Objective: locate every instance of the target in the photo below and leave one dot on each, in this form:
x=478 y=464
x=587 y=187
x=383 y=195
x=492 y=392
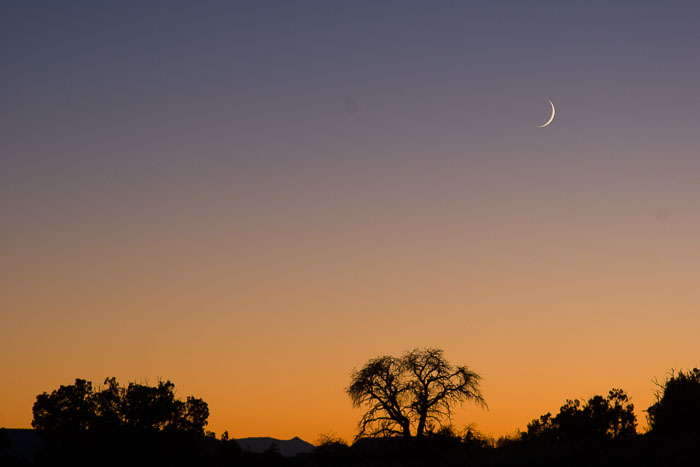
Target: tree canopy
x=78 y=408
x=411 y=395
x=677 y=407
x=600 y=418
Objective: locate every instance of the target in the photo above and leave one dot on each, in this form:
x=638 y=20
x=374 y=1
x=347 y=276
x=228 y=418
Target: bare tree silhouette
x=414 y=393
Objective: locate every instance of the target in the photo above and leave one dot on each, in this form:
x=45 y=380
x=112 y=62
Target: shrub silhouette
x=77 y=408
x=601 y=418
x=115 y=425
x=677 y=407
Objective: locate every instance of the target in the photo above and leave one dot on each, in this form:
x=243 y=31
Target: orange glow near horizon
x=262 y=380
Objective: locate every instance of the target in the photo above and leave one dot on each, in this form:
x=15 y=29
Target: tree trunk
x=420 y=430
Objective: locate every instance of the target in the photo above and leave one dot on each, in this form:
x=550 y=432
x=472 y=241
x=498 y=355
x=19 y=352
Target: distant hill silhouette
x=287 y=448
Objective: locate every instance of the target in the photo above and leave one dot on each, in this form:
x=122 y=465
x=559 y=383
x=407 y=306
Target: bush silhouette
x=114 y=425
x=77 y=408
x=601 y=418
x=677 y=407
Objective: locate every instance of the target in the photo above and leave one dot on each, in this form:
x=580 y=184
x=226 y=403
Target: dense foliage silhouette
x=676 y=411
x=601 y=418
x=137 y=424
x=413 y=394
x=78 y=407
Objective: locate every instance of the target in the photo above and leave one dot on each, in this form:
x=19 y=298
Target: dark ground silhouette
x=143 y=425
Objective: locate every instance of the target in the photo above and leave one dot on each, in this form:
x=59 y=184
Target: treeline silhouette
x=117 y=425
x=148 y=425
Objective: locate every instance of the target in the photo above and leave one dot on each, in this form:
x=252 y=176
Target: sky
x=252 y=199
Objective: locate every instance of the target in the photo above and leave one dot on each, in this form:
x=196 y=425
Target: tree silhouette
x=117 y=425
x=677 y=407
x=69 y=409
x=414 y=393
x=612 y=417
x=601 y=418
x=77 y=408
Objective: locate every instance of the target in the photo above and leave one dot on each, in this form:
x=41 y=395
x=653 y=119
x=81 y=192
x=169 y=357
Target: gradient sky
x=253 y=198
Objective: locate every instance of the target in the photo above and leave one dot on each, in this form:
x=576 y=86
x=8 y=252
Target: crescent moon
x=550 y=118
